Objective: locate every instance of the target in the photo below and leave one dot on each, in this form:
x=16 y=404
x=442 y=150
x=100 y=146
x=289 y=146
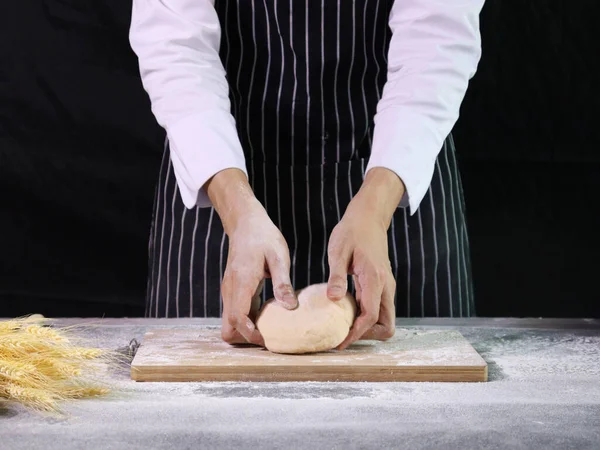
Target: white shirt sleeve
x=434 y=52
x=177 y=44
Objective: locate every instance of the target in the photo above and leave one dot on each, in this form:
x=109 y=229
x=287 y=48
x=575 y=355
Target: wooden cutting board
x=412 y=355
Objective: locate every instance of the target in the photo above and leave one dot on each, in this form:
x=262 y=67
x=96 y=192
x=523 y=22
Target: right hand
x=257 y=250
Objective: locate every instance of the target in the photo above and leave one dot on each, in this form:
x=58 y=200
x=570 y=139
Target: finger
x=239 y=288
x=339 y=262
x=279 y=268
x=386 y=325
x=230 y=334
x=238 y=328
x=247 y=329
x=372 y=291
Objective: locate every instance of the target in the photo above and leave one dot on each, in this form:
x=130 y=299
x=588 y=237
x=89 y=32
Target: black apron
x=305 y=79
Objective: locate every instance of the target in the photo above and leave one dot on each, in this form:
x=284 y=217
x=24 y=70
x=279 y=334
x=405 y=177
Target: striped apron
x=305 y=79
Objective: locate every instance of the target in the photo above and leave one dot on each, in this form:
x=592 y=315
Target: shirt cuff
x=201 y=146
x=408 y=145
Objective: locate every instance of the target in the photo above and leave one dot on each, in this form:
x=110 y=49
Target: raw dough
x=318 y=324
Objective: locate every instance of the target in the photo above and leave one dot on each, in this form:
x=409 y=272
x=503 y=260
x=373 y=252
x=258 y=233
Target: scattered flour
x=544 y=392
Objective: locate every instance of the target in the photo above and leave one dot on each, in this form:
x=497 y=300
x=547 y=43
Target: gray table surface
x=544 y=392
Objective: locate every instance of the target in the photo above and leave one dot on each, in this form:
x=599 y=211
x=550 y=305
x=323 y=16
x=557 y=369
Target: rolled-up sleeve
x=434 y=51
x=177 y=44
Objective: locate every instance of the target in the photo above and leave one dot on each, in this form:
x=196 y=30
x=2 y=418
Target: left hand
x=358 y=246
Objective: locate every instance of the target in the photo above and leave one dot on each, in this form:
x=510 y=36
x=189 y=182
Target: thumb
x=337 y=286
x=279 y=268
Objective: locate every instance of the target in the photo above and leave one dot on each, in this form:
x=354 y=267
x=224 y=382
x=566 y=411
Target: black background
x=79 y=156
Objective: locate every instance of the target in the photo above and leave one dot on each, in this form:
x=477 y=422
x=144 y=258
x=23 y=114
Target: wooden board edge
x=140 y=373
x=259 y=374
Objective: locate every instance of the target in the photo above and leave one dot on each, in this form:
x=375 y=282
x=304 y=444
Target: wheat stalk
x=41 y=367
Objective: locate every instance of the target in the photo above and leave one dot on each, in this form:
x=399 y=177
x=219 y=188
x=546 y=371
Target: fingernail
x=290 y=301
x=250 y=325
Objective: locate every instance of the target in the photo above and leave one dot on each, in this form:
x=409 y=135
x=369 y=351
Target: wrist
x=232 y=197
x=380 y=194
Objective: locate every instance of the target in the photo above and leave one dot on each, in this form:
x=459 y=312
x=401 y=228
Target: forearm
x=379 y=195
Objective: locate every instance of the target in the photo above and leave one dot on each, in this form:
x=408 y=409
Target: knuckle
x=370 y=280
x=336 y=243
x=231 y=319
x=227 y=333
x=277 y=254
x=227 y=336
x=372 y=275
x=282 y=241
x=392 y=283
x=382 y=273
x=336 y=233
x=388 y=332
x=278 y=242
x=237 y=324
x=333 y=249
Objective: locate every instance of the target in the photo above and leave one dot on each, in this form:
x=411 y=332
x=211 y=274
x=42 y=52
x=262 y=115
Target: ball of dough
x=318 y=324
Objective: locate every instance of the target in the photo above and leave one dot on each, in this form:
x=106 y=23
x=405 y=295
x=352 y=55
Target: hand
x=358 y=246
x=257 y=250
